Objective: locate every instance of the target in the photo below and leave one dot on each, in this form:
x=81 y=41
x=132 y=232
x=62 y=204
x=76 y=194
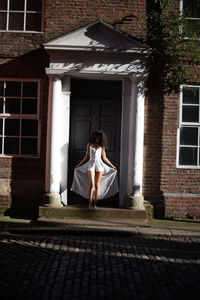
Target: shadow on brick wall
x=27 y=175
x=154 y=116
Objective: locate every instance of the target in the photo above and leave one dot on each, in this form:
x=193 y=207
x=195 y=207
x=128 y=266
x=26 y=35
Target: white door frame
x=132 y=130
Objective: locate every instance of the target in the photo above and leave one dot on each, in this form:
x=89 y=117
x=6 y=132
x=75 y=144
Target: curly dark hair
x=102 y=141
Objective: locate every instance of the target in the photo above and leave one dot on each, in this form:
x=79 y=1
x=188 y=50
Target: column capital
x=138 y=80
x=138 y=88
x=54 y=77
x=66 y=93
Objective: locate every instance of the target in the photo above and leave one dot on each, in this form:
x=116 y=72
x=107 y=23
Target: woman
x=95 y=178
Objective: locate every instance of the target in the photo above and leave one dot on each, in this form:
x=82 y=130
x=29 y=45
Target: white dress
x=108 y=184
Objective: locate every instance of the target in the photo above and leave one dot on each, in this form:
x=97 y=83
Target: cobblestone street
x=96 y=265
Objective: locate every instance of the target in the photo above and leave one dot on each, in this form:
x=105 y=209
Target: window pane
x=189 y=136
x=3 y=5
x=29 y=146
x=12 y=106
x=13 y=88
x=1 y=105
x=17 y=5
x=3 y=17
x=30 y=89
x=35 y=5
x=0 y=145
x=11 y=146
x=29 y=127
x=188 y=156
x=16 y=21
x=33 y=22
x=1 y=126
x=12 y=127
x=1 y=88
x=190 y=114
x=29 y=106
x=192 y=8
x=191 y=95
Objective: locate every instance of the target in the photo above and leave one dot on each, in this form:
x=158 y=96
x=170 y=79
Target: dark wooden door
x=94 y=105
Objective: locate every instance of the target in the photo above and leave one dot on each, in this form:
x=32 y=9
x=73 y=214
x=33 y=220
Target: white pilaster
x=52 y=184
x=125 y=142
x=132 y=145
x=138 y=145
x=65 y=125
x=139 y=138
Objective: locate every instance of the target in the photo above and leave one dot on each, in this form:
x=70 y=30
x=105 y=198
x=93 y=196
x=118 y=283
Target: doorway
x=94 y=105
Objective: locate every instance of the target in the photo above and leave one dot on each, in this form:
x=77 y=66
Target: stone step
x=81 y=212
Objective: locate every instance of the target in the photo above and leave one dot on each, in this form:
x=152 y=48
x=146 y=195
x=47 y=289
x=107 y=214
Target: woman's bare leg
x=98 y=176
x=92 y=184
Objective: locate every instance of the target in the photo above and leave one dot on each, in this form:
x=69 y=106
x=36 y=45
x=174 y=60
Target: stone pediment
x=97 y=36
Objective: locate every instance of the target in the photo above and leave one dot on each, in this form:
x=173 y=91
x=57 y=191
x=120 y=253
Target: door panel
x=81 y=133
x=83 y=110
x=98 y=107
x=110 y=129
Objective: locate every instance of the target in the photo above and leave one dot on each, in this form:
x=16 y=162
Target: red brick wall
x=5 y=201
x=186 y=206
x=176 y=188
x=64 y=16
x=14 y=44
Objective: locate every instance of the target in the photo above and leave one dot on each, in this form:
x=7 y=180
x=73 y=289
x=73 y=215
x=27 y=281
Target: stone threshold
x=82 y=212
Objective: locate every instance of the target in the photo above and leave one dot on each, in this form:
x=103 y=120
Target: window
x=19 y=118
x=191 y=9
x=189 y=131
x=21 y=15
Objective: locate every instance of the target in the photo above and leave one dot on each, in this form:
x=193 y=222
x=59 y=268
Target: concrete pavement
x=141 y=227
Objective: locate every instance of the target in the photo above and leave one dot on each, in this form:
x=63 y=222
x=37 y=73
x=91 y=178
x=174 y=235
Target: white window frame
x=23 y=117
x=190 y=125
x=24 y=12
x=181 y=10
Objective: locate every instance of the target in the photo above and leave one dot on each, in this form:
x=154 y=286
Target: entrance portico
x=96 y=51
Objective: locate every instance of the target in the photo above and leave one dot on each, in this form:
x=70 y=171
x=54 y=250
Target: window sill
x=21 y=31
x=18 y=156
x=188 y=38
x=188 y=167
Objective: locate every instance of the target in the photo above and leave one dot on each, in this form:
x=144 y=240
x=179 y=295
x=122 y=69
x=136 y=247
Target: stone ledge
x=82 y=212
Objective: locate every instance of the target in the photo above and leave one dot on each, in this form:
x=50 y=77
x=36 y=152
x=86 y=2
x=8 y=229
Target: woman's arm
x=106 y=159
x=85 y=157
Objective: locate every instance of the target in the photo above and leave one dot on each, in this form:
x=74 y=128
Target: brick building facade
x=49 y=49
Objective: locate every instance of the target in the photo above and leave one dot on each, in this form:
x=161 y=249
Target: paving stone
x=99 y=266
